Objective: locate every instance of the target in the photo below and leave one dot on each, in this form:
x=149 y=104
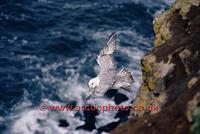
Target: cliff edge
x=171 y=75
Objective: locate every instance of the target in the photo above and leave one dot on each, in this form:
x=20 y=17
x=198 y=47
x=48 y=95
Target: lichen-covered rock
x=171 y=75
x=161 y=28
x=184 y=6
x=178 y=57
x=162 y=23
x=153 y=89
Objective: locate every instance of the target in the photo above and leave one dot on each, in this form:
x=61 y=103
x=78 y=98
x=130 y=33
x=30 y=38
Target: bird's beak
x=90 y=94
x=88 y=97
x=89 y=88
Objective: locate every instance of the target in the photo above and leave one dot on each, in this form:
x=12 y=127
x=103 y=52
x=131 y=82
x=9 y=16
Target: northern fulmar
x=109 y=78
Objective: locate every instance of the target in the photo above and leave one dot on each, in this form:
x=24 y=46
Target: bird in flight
x=109 y=77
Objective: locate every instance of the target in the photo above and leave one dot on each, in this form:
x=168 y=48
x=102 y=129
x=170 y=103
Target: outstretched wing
x=124 y=79
x=104 y=59
x=107 y=67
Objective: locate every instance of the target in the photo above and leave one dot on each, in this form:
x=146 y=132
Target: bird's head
x=93 y=83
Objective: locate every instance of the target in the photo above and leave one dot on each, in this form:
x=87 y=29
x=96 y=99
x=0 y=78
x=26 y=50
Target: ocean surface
x=48 y=51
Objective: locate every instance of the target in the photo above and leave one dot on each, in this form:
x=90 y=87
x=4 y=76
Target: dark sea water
x=47 y=54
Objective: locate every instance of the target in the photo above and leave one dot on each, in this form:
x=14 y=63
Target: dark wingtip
x=112 y=34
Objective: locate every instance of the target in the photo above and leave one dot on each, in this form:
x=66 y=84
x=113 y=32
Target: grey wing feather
x=111 y=44
x=104 y=59
x=107 y=67
x=124 y=79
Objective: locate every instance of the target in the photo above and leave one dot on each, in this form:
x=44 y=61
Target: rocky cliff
x=171 y=75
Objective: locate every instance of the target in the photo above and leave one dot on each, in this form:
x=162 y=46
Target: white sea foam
x=168 y=2
x=1 y=119
x=68 y=89
x=45 y=1
x=78 y=5
x=153 y=3
x=33 y=120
